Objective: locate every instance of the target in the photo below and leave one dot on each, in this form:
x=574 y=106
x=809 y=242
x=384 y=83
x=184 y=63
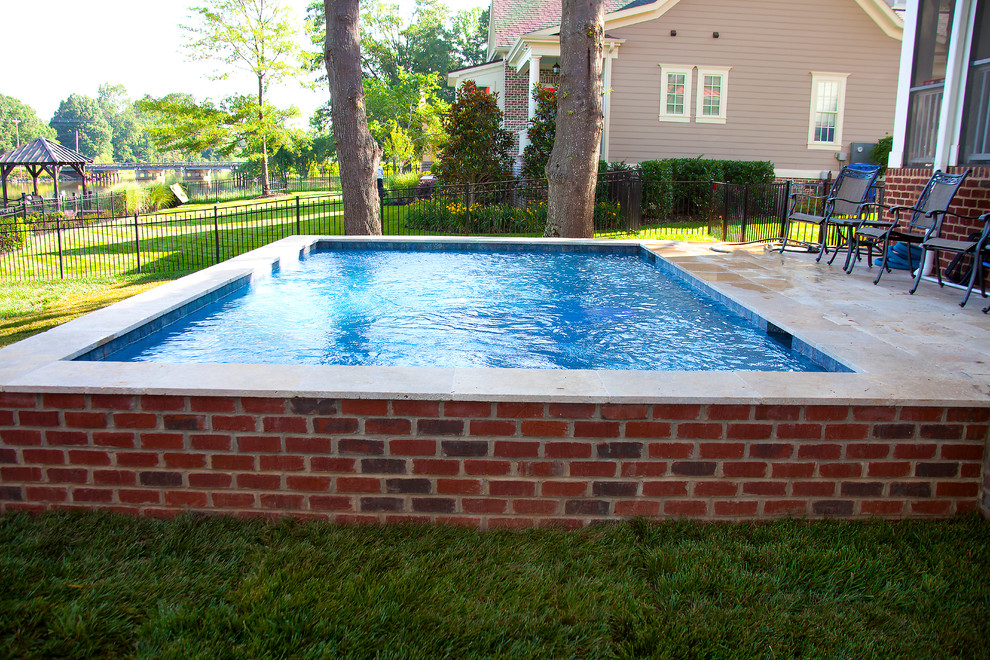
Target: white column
x=606 y=102
x=896 y=158
x=954 y=93
x=534 y=80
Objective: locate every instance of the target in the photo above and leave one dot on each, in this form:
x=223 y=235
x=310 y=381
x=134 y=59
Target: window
x=675 y=93
x=828 y=98
x=713 y=86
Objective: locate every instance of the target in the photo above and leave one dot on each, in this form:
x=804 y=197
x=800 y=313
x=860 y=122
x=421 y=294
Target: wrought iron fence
x=181 y=240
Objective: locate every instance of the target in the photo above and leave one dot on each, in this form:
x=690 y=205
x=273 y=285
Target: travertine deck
x=905 y=349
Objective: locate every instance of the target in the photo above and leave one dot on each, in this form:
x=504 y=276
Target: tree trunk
x=357 y=152
x=265 y=186
x=573 y=168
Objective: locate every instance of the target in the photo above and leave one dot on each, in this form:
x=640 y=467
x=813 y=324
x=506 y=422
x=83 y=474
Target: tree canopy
x=82 y=116
x=17 y=118
x=256 y=36
x=231 y=128
x=432 y=42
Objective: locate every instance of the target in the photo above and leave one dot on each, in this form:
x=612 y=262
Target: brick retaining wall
x=487 y=464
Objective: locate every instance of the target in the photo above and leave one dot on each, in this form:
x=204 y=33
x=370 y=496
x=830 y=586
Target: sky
x=134 y=43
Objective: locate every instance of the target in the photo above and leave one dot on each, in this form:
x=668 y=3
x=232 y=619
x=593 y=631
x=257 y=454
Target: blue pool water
x=514 y=309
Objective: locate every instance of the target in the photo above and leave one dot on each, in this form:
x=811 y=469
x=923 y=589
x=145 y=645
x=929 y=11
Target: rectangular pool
x=440 y=305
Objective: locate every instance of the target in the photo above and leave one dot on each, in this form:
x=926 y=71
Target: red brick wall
x=483 y=463
x=516 y=103
x=973 y=198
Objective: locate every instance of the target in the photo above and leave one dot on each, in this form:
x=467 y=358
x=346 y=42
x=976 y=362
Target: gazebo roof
x=43 y=152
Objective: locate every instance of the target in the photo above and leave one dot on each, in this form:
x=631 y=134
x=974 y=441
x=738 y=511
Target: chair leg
x=822 y=241
x=852 y=256
x=977 y=273
x=921 y=267
x=883 y=249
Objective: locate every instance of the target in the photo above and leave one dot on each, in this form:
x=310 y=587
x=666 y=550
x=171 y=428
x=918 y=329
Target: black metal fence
x=39 y=245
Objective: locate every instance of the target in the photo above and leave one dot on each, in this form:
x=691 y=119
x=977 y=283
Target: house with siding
x=800 y=83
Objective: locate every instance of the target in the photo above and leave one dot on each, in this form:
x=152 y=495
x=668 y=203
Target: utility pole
x=17 y=130
x=77 y=139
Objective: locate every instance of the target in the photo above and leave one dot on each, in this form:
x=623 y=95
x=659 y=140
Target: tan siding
x=772 y=47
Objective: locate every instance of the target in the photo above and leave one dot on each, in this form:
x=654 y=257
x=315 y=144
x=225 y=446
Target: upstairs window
x=675 y=93
x=828 y=99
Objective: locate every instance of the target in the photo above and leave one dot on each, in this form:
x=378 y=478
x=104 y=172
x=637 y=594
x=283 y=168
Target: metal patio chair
x=936 y=244
x=842 y=208
x=934 y=199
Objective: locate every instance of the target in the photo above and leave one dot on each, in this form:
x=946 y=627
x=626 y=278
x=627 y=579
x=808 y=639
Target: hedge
x=663 y=199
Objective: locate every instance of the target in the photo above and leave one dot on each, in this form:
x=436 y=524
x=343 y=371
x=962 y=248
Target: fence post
x=745 y=215
x=784 y=207
x=725 y=210
x=298 y=223
x=58 y=232
x=137 y=242
x=216 y=234
x=468 y=198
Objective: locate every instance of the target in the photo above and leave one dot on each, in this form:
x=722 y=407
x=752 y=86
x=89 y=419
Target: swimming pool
x=502 y=308
x=902 y=434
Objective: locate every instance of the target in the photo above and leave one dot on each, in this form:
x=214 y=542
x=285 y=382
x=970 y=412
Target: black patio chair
x=846 y=201
x=934 y=243
x=934 y=199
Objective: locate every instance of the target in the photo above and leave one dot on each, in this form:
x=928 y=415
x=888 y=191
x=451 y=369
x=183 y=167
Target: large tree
x=19 y=120
x=253 y=35
x=231 y=128
x=410 y=106
x=81 y=117
x=357 y=152
x=432 y=42
x=573 y=169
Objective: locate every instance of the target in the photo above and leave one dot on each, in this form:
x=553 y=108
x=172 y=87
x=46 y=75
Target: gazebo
x=42 y=155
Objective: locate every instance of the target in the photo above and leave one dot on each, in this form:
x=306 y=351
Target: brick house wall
x=516 y=104
x=903 y=185
x=487 y=463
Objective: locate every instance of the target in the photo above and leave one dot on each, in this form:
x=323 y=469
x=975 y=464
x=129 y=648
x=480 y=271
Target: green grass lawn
x=98 y=585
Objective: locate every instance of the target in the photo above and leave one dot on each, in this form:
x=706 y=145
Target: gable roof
x=43 y=152
x=512 y=19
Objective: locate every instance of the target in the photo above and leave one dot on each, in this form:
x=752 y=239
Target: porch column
x=954 y=93
x=607 y=99
x=896 y=158
x=534 y=80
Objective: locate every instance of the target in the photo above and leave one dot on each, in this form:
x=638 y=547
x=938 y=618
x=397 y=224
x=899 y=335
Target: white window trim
x=699 y=104
x=818 y=77
x=666 y=69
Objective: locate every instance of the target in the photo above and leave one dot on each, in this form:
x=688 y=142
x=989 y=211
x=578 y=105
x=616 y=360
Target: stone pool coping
x=892 y=366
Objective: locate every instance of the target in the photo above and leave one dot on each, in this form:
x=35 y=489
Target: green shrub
x=13 y=233
x=541 y=132
x=665 y=192
x=476 y=149
x=401 y=181
x=880 y=153
x=451 y=217
x=131 y=198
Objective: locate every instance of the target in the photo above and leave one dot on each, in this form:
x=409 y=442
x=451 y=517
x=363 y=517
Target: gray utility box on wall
x=859 y=152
